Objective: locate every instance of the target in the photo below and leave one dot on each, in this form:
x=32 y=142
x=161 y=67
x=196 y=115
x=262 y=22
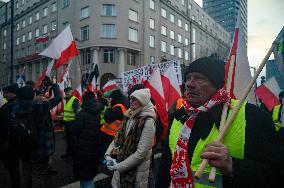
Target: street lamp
x=183 y=46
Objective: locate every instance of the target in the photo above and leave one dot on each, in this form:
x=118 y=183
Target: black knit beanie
x=26 y=93
x=11 y=88
x=210 y=67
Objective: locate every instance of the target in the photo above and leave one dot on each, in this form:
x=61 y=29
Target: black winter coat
x=263 y=164
x=86 y=138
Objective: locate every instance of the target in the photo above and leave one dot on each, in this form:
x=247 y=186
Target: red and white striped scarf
x=181 y=175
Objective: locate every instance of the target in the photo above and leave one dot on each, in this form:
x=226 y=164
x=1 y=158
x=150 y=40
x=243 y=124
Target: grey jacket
x=142 y=157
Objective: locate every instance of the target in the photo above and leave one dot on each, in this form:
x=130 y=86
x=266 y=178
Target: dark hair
x=68 y=89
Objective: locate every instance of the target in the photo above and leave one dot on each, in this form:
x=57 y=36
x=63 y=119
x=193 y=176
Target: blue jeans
x=87 y=184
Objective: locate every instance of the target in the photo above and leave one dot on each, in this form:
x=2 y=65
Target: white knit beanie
x=142 y=95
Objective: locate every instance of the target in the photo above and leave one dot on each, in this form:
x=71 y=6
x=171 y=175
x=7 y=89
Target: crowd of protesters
x=120 y=132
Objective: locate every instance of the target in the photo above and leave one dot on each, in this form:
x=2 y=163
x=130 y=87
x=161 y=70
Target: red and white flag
x=157 y=93
x=62 y=48
x=93 y=85
x=78 y=93
x=109 y=87
x=170 y=86
x=268 y=92
x=241 y=75
x=46 y=73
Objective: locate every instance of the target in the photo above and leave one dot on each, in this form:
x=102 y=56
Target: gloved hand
x=109 y=161
x=112 y=167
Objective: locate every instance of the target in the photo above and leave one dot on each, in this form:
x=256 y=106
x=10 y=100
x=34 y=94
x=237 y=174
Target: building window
x=172 y=18
x=4 y=46
x=37 y=16
x=131 y=58
x=53 y=25
x=133 y=15
x=53 y=7
x=186 y=55
x=30 y=20
x=18 y=27
x=45 y=12
x=108 y=31
x=30 y=35
x=179 y=23
x=44 y=29
x=172 y=34
x=182 y=2
x=163 y=30
x=179 y=38
x=163 y=13
x=17 y=41
x=65 y=24
x=108 y=10
x=24 y=23
x=163 y=46
x=84 y=33
x=37 y=32
x=152 y=59
x=133 y=35
x=17 y=4
x=152 y=4
x=172 y=50
x=152 y=41
x=5 y=33
x=84 y=12
x=186 y=41
x=186 y=27
x=179 y=53
x=152 y=23
x=86 y=56
x=108 y=56
x=65 y=3
x=23 y=2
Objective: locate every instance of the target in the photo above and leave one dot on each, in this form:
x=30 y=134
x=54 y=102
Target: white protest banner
x=138 y=75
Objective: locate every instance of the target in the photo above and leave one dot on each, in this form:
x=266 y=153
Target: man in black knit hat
x=250 y=154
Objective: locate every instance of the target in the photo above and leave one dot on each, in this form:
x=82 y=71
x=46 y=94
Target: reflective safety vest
x=234 y=140
x=69 y=114
x=5 y=100
x=275 y=117
x=179 y=103
x=113 y=127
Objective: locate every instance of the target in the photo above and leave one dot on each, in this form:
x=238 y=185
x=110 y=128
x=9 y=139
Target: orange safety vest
x=113 y=127
x=179 y=103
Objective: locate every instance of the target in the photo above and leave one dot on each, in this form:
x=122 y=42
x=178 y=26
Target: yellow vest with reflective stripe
x=275 y=115
x=234 y=140
x=69 y=114
x=5 y=100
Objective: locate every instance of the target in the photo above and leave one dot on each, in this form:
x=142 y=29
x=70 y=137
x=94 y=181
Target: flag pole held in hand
x=229 y=121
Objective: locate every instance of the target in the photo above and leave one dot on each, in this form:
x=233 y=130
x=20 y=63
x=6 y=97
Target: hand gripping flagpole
x=229 y=121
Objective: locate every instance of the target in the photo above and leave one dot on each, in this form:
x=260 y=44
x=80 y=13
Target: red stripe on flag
x=66 y=54
x=171 y=94
x=161 y=107
x=111 y=87
x=267 y=97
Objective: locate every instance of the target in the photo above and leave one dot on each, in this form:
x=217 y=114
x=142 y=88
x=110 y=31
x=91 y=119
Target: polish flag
x=46 y=73
x=93 y=85
x=157 y=93
x=241 y=75
x=268 y=92
x=78 y=93
x=170 y=86
x=62 y=48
